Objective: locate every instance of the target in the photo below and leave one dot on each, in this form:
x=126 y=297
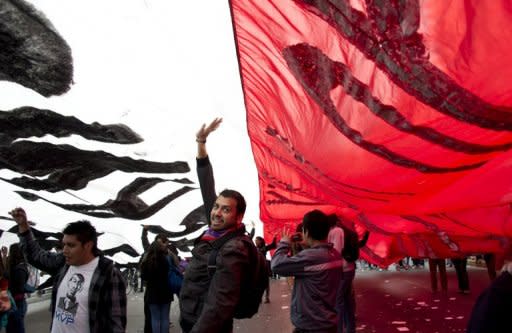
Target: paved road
x=388 y=302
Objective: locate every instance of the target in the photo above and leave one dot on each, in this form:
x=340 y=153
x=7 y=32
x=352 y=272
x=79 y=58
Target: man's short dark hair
x=239 y=198
x=85 y=232
x=316 y=224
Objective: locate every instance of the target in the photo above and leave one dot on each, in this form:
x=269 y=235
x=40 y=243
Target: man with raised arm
x=99 y=304
x=208 y=301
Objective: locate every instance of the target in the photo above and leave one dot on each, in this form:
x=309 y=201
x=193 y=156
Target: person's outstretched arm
x=44 y=260
x=272 y=245
x=204 y=167
x=202 y=136
x=253 y=230
x=144 y=237
x=363 y=241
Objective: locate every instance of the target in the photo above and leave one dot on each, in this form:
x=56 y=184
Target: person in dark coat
x=155 y=270
x=208 y=302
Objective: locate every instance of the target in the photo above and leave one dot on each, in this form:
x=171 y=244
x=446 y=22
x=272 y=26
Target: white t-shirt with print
x=72 y=302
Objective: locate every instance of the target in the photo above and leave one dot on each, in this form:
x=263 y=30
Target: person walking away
x=318 y=270
x=162 y=238
x=158 y=295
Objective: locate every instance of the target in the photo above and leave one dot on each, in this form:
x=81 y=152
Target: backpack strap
x=216 y=246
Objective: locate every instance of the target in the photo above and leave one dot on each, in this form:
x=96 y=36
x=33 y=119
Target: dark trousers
x=434 y=265
x=462 y=273
x=346 y=304
x=147 y=318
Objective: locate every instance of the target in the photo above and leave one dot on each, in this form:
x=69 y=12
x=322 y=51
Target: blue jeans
x=346 y=304
x=16 y=321
x=160 y=317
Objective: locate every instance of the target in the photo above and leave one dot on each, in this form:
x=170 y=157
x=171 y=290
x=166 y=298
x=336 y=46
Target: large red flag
x=396 y=115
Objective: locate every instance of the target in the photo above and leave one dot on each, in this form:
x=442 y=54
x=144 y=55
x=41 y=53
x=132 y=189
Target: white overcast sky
x=161 y=67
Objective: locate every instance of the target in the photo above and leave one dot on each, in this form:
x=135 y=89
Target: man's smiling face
x=224 y=214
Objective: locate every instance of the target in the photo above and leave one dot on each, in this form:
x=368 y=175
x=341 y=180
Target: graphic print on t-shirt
x=67 y=305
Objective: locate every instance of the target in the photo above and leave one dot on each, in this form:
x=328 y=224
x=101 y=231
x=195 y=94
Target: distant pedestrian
x=264 y=248
x=460 y=265
x=435 y=265
x=164 y=241
x=158 y=296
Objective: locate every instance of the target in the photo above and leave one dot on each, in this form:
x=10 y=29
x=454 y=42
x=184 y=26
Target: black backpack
x=350 y=250
x=256 y=282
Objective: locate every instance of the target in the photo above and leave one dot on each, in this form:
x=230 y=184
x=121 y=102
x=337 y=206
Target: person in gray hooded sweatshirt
x=318 y=271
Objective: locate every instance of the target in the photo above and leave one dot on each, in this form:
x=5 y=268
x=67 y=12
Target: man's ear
x=89 y=245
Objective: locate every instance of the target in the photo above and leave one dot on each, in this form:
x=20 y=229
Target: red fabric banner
x=395 y=115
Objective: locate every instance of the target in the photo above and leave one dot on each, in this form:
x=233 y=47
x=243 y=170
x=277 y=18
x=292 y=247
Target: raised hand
x=285 y=235
x=204 y=131
x=20 y=217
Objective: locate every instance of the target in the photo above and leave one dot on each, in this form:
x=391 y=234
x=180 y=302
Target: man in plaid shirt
x=89 y=293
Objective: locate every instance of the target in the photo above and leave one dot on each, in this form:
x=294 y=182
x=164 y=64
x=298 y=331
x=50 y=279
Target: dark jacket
x=157 y=285
x=491 y=312
x=207 y=303
x=107 y=294
x=18 y=280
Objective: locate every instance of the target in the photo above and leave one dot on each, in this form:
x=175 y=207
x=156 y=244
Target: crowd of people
x=319 y=257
